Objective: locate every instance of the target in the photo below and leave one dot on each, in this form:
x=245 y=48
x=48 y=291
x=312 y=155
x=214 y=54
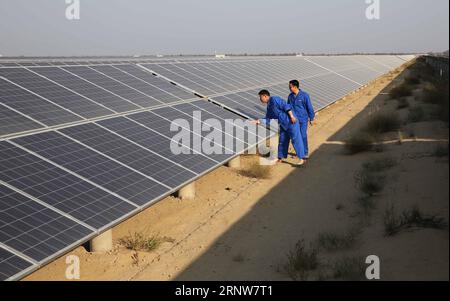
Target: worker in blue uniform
x=279 y=109
x=303 y=110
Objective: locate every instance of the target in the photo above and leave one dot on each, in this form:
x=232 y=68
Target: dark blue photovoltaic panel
x=12 y=122
x=11 y=265
x=162 y=126
x=34 y=106
x=54 y=93
x=260 y=133
x=153 y=141
x=165 y=92
x=133 y=155
x=224 y=154
x=170 y=71
x=134 y=83
x=60 y=189
x=83 y=87
x=236 y=104
x=34 y=230
x=93 y=166
x=62 y=185
x=241 y=137
x=114 y=86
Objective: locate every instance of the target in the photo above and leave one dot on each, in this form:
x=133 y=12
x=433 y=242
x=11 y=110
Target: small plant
x=432 y=93
x=441 y=151
x=401 y=91
x=383 y=123
x=239 y=258
x=370 y=183
x=379 y=148
x=135 y=259
x=331 y=241
x=380 y=164
x=403 y=103
x=411 y=133
x=367 y=204
x=437 y=93
x=301 y=261
x=359 y=142
x=416 y=114
x=258 y=171
x=340 y=207
x=139 y=242
x=408 y=219
x=350 y=269
x=412 y=80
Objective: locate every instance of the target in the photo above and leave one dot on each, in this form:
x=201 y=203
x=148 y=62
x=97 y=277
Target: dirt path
x=241 y=228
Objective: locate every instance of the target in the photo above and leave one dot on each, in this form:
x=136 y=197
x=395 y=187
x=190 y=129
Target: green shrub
x=359 y=142
x=383 y=123
x=416 y=114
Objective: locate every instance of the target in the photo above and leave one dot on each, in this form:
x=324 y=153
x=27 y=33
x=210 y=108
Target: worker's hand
x=293 y=120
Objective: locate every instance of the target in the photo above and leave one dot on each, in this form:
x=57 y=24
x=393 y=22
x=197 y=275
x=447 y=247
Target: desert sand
x=241 y=228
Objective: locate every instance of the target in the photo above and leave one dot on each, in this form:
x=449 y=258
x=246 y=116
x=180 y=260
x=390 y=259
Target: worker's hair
x=295 y=83
x=264 y=92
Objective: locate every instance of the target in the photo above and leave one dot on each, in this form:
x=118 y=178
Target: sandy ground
x=241 y=228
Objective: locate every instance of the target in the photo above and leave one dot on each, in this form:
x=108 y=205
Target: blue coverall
x=304 y=111
x=278 y=109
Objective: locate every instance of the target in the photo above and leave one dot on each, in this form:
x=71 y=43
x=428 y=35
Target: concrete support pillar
x=102 y=243
x=187 y=192
x=235 y=163
x=274 y=141
x=271 y=146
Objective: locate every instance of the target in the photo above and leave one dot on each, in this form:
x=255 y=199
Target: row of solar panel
x=326 y=79
x=114 y=61
x=34 y=98
x=218 y=78
x=63 y=186
x=60 y=187
x=41 y=97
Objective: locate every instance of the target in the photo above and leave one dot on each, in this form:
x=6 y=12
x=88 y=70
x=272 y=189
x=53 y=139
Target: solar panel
x=91 y=165
x=139 y=85
x=60 y=189
x=34 y=106
x=33 y=229
x=154 y=164
x=361 y=75
x=243 y=135
x=87 y=89
x=12 y=265
x=119 y=88
x=61 y=186
x=164 y=91
x=77 y=104
x=220 y=154
x=12 y=122
x=153 y=133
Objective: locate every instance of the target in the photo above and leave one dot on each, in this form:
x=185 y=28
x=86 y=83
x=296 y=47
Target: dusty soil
x=240 y=228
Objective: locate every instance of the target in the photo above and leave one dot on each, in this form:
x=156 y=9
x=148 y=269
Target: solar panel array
x=234 y=84
x=85 y=145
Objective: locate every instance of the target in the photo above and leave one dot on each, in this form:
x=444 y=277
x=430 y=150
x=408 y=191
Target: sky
x=146 y=27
